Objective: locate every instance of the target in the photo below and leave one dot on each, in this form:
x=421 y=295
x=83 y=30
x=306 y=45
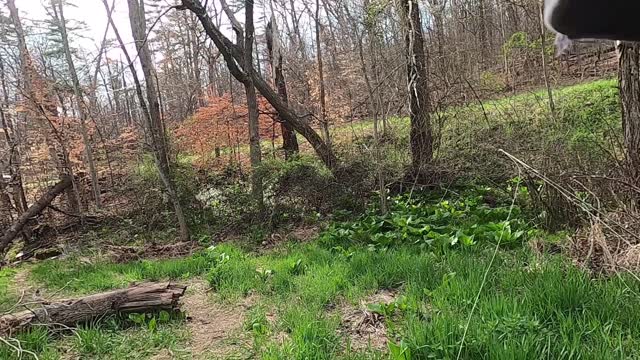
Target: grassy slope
x=532 y=306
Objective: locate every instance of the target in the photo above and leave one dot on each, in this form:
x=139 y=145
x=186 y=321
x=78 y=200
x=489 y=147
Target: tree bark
x=289 y=138
x=140 y=298
x=132 y=68
x=15 y=159
x=252 y=106
x=324 y=122
x=32 y=211
x=156 y=129
x=58 y=11
x=629 y=80
x=419 y=101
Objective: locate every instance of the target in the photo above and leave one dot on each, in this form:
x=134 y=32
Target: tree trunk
x=132 y=68
x=324 y=122
x=142 y=298
x=58 y=11
x=32 y=211
x=252 y=106
x=629 y=79
x=419 y=102
x=545 y=70
x=289 y=139
x=374 y=101
x=156 y=130
x=15 y=170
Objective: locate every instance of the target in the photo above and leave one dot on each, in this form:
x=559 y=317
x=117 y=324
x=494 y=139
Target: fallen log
x=32 y=211
x=140 y=298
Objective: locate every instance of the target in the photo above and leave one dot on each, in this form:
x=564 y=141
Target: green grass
x=7 y=297
x=532 y=306
x=78 y=277
x=110 y=339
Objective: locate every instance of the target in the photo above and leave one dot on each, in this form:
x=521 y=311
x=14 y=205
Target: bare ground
x=216 y=330
x=365 y=329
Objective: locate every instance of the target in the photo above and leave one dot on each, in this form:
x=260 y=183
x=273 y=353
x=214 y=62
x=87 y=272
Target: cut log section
x=141 y=298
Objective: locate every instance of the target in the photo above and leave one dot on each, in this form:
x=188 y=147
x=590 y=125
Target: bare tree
x=630 y=97
x=417 y=82
x=234 y=56
x=156 y=128
x=324 y=122
x=252 y=105
x=289 y=139
x=45 y=110
x=58 y=11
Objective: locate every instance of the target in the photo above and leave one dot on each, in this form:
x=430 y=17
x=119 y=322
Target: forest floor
x=443 y=275
x=359 y=292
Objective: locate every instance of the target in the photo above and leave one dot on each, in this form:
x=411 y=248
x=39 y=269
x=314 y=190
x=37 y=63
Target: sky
x=93 y=14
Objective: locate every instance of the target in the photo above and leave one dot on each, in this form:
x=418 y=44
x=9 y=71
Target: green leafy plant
x=297 y=268
x=437 y=225
x=399 y=351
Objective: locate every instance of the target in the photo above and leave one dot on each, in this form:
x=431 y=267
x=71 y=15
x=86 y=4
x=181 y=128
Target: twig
x=18 y=348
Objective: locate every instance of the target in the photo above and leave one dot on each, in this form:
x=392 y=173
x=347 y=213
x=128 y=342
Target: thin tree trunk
x=58 y=11
x=132 y=68
x=45 y=112
x=419 y=102
x=629 y=79
x=324 y=122
x=19 y=198
x=252 y=106
x=289 y=139
x=156 y=131
x=375 y=108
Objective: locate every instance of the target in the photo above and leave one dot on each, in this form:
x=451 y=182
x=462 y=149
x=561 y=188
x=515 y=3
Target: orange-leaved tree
x=222 y=124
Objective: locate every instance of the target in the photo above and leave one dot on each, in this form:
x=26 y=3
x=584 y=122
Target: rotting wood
x=140 y=298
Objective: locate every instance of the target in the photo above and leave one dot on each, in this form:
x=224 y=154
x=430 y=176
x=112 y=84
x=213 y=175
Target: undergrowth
x=429 y=249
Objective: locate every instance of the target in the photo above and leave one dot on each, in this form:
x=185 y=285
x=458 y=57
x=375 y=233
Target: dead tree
x=34 y=210
x=289 y=139
x=155 y=123
x=58 y=11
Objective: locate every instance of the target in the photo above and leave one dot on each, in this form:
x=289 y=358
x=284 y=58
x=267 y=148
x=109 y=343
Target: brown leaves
x=222 y=124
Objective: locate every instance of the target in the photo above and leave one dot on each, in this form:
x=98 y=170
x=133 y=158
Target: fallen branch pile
x=35 y=209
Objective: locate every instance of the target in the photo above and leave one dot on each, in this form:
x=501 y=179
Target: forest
x=315 y=179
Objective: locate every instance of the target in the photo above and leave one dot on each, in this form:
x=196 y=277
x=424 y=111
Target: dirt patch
x=216 y=330
x=364 y=328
